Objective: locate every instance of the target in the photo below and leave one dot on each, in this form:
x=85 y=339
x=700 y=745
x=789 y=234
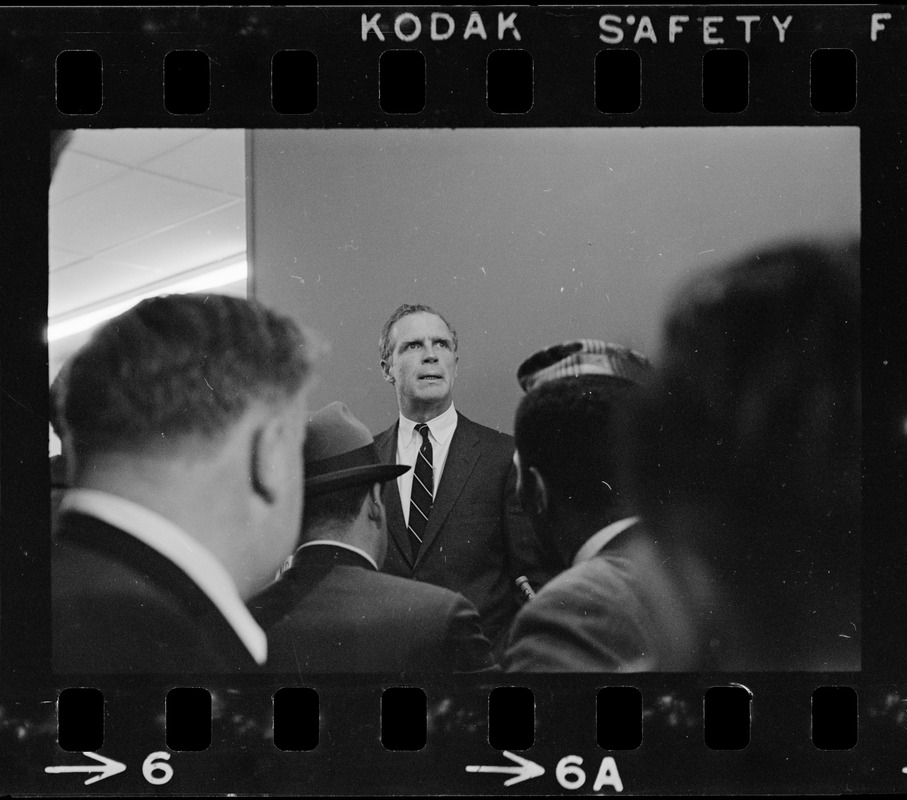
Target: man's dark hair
x=340 y=507
x=564 y=428
x=757 y=402
x=385 y=348
x=747 y=445
x=178 y=366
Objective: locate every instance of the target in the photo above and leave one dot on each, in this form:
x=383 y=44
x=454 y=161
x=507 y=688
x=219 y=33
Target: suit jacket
x=622 y=610
x=119 y=607
x=331 y=611
x=477 y=540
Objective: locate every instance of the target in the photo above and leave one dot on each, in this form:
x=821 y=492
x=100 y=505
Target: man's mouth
x=430 y=377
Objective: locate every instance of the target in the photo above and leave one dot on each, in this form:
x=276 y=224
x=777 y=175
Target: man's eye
x=443 y=344
x=412 y=345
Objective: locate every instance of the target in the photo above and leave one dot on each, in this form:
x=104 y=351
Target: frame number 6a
x=570 y=775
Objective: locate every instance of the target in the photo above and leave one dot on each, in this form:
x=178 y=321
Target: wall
x=522 y=238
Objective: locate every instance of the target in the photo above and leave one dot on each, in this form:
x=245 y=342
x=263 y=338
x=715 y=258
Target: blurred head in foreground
x=194 y=407
x=747 y=445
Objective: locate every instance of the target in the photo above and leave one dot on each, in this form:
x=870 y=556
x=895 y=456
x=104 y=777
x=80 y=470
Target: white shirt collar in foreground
x=598 y=540
x=174 y=544
x=344 y=545
x=441 y=427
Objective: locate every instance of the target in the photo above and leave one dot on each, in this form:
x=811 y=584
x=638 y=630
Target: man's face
x=298 y=414
x=286 y=510
x=422 y=366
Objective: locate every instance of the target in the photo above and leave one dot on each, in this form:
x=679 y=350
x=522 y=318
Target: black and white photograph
x=420 y=416
x=667 y=319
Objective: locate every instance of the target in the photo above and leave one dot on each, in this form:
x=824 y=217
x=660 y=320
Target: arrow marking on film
x=525 y=770
x=106 y=768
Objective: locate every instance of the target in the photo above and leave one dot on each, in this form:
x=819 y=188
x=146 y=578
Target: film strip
x=375 y=71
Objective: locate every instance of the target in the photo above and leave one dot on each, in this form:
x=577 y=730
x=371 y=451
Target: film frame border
x=241 y=41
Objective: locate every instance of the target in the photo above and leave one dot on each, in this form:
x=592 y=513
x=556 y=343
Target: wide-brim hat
x=340 y=452
x=582 y=357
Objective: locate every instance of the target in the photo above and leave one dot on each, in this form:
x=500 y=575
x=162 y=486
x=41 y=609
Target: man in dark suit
x=454 y=520
x=183 y=422
x=331 y=609
x=624 y=601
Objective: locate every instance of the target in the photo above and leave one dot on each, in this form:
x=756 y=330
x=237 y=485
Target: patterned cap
x=582 y=357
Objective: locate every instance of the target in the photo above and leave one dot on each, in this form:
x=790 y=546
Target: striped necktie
x=423 y=492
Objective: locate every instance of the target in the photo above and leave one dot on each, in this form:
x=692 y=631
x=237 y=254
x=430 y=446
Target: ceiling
x=131 y=208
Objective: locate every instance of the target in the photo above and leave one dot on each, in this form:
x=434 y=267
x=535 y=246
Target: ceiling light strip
x=210 y=279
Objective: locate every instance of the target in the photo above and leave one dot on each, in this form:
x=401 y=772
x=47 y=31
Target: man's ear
x=386 y=369
x=537 y=491
x=376 y=511
x=266 y=464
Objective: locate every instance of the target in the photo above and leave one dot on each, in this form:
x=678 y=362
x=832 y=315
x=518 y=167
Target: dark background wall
x=521 y=238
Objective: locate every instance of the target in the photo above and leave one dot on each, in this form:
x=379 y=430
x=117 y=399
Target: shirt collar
x=344 y=545
x=441 y=427
x=597 y=541
x=177 y=546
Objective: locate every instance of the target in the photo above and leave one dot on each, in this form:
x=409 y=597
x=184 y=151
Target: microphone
x=523 y=585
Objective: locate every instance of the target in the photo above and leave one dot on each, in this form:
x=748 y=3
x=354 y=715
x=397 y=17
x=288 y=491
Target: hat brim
x=341 y=479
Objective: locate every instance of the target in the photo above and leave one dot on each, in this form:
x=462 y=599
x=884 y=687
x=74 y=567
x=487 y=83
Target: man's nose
x=430 y=354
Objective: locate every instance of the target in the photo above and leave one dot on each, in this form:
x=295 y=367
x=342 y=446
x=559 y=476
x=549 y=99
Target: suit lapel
x=386 y=443
x=461 y=460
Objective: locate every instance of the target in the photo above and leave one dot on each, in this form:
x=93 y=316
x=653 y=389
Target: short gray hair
x=384 y=341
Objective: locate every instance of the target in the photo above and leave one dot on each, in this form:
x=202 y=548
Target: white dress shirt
x=409 y=440
x=162 y=535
